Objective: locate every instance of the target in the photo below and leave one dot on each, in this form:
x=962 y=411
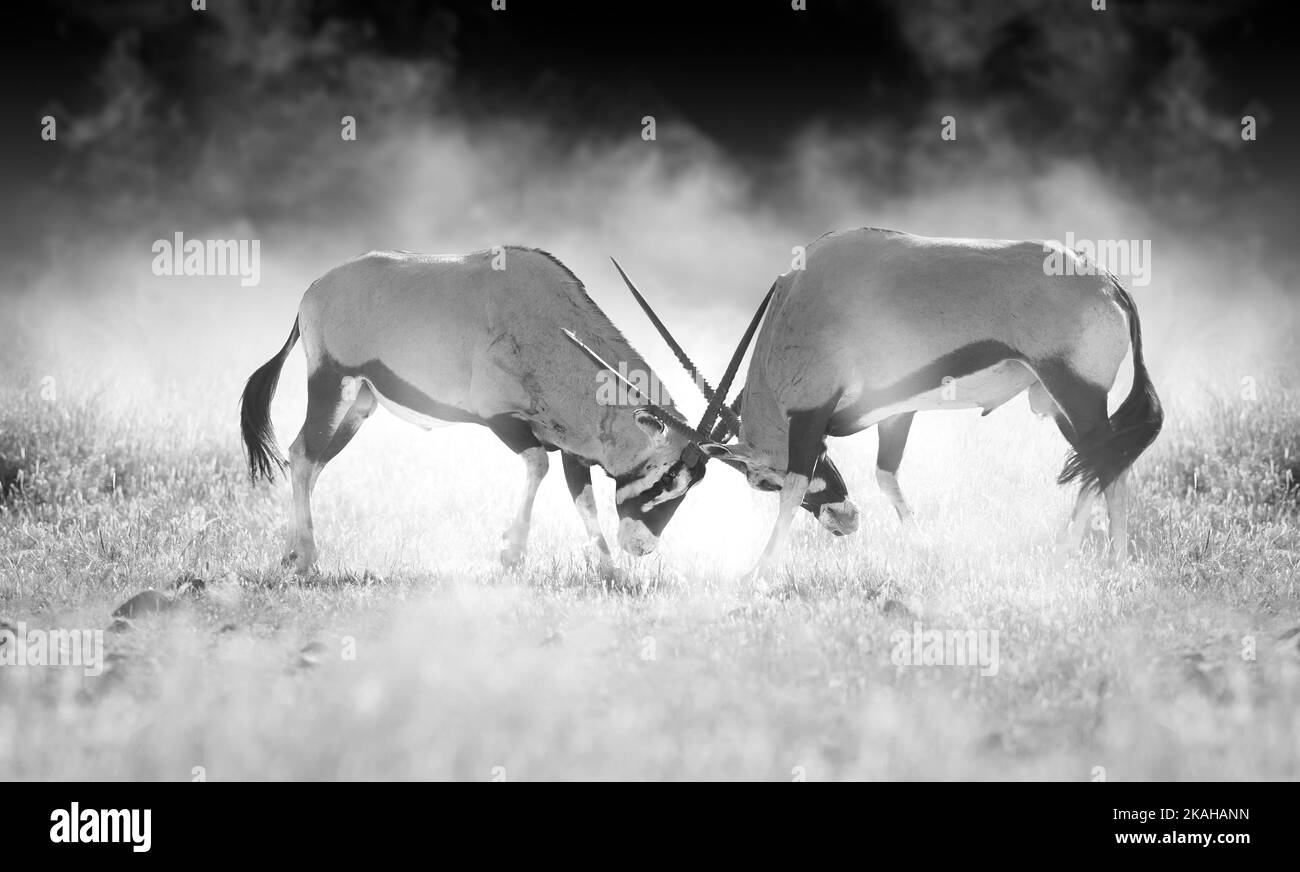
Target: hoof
x=597 y=555
x=514 y=544
x=840 y=518
x=299 y=561
x=615 y=578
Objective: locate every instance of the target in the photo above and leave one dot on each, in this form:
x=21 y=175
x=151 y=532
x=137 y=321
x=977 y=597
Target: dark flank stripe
x=323 y=387
x=833 y=489
x=955 y=364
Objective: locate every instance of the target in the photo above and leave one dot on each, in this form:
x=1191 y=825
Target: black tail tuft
x=264 y=457
x=1102 y=455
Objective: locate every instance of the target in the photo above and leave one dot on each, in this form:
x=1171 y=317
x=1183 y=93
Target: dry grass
x=464 y=671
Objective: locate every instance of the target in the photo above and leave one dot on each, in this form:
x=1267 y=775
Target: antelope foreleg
x=515 y=540
x=793 y=490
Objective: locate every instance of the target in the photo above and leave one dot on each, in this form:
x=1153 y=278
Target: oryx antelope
x=882 y=324
x=453 y=339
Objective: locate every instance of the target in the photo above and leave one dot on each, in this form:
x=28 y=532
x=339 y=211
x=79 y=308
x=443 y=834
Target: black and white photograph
x=767 y=391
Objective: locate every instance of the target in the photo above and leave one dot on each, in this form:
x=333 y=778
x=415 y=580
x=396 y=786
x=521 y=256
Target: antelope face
x=647 y=498
x=828 y=499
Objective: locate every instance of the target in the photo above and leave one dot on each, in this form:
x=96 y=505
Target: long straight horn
x=720 y=397
x=691 y=369
x=670 y=420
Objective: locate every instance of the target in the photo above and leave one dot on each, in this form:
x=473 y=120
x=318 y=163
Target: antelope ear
x=653 y=427
x=737 y=452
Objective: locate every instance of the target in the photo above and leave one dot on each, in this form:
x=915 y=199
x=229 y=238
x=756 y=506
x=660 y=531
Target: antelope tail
x=264 y=457
x=1102 y=456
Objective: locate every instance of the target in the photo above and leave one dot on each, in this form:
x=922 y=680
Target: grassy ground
x=412 y=655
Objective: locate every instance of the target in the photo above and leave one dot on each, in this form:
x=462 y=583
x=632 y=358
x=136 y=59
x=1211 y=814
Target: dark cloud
x=205 y=101
x=478 y=127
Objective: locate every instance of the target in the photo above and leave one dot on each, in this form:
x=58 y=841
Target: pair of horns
x=717 y=398
x=670 y=420
x=692 y=370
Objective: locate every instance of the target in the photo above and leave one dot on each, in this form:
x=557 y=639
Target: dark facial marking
x=658 y=516
x=835 y=490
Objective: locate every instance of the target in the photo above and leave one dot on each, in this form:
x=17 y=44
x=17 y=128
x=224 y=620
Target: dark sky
x=1150 y=91
x=748 y=72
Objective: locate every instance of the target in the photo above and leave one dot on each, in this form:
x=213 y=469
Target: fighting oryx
x=881 y=324
x=477 y=338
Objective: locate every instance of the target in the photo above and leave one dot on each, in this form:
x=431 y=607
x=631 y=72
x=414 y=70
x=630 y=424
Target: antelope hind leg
x=336 y=409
